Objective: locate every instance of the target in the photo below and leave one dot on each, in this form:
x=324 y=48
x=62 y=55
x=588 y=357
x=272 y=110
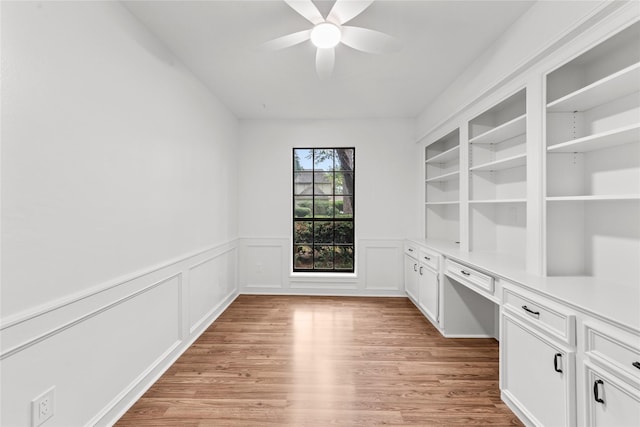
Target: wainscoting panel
x=265 y=268
x=263 y=264
x=114 y=340
x=382 y=262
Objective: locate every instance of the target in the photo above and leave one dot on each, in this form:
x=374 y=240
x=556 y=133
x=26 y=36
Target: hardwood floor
x=318 y=361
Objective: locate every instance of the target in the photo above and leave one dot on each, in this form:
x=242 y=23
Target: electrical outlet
x=43 y=407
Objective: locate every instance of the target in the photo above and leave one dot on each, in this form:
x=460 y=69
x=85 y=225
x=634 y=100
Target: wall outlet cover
x=43 y=407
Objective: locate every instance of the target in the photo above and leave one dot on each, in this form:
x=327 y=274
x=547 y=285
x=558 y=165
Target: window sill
x=325 y=276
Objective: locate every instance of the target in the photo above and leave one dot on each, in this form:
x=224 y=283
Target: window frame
x=313 y=219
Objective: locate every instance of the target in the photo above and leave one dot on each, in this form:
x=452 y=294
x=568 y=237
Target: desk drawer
x=429 y=258
x=542 y=314
x=411 y=250
x=614 y=350
x=470 y=277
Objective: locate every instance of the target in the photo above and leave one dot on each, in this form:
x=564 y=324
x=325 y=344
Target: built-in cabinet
x=532 y=208
x=429 y=284
x=442 y=188
x=593 y=162
x=411 y=271
x=537 y=373
x=498 y=178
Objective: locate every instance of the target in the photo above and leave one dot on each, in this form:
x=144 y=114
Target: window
x=323 y=209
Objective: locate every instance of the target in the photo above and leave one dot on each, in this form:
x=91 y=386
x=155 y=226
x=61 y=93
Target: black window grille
x=323 y=209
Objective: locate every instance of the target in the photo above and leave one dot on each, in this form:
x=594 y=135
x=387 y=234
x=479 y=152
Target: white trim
x=34 y=340
x=43 y=309
x=110 y=413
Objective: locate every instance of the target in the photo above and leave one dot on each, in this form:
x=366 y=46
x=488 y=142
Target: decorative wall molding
x=379 y=270
x=58 y=327
x=121 y=404
x=105 y=287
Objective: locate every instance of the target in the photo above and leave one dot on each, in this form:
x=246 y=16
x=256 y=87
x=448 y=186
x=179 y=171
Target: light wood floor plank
x=318 y=361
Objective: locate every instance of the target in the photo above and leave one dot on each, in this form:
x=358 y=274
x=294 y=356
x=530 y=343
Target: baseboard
x=122 y=403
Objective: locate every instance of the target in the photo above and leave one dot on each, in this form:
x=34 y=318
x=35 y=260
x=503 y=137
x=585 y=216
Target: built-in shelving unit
x=442 y=188
x=497 y=178
x=593 y=162
x=501 y=164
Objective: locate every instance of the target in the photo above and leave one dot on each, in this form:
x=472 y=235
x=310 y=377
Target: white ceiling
x=219 y=41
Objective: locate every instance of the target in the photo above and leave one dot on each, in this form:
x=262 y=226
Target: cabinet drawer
x=429 y=258
x=609 y=401
x=614 y=350
x=411 y=250
x=470 y=277
x=542 y=314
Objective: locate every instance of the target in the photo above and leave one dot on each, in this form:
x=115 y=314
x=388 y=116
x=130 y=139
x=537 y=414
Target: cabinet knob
x=636 y=364
x=555 y=362
x=596 y=391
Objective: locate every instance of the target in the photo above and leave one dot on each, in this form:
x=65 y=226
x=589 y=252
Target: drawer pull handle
x=636 y=364
x=533 y=313
x=410 y=250
x=415 y=267
x=427 y=258
x=596 y=393
x=466 y=273
x=421 y=270
x=555 y=362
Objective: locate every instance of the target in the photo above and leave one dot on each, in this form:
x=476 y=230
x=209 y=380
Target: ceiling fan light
x=325 y=35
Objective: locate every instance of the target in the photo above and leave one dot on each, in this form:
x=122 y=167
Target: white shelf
x=446 y=156
x=444 y=177
x=503 y=132
x=599 y=141
x=453 y=202
x=502 y=164
x=498 y=201
x=624 y=82
x=605 y=197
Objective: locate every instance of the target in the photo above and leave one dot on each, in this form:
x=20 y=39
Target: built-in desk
x=565 y=342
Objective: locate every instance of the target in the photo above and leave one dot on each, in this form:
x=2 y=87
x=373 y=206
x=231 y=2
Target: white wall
x=538 y=31
x=385 y=187
x=119 y=227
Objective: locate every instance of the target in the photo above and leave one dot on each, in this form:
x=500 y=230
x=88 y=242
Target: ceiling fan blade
x=325 y=58
x=307 y=9
x=286 y=41
x=345 y=10
x=370 y=41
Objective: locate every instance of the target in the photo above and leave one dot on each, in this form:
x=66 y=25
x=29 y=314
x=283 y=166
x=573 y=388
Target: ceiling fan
x=327 y=33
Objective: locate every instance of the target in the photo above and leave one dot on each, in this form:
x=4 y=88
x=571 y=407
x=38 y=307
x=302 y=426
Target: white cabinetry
x=411 y=272
x=498 y=178
x=442 y=188
x=612 y=376
x=429 y=285
x=593 y=162
x=609 y=401
x=538 y=360
x=469 y=308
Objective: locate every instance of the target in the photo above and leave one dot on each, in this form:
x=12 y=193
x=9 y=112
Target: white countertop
x=614 y=301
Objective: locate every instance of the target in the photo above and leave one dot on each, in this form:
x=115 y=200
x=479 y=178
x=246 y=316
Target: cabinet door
x=411 y=277
x=428 y=283
x=536 y=375
x=609 y=401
